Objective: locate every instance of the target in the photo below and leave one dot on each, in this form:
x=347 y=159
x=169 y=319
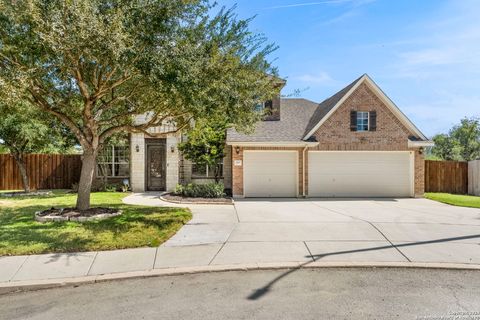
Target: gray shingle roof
x=297 y=118
x=294 y=116
x=325 y=106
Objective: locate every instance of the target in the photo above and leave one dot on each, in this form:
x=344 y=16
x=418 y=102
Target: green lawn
x=455 y=199
x=138 y=226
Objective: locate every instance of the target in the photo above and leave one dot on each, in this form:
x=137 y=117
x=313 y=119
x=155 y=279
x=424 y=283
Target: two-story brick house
x=357 y=143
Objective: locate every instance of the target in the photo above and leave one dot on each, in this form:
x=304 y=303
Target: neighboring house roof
x=294 y=117
x=301 y=118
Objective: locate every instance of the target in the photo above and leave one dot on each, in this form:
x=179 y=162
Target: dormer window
x=362 y=121
x=260 y=107
x=264 y=106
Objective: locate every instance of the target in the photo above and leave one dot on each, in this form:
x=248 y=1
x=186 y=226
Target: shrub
x=192 y=190
x=105 y=187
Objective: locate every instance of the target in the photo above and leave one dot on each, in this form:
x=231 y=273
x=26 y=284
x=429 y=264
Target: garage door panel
x=359 y=174
x=270 y=174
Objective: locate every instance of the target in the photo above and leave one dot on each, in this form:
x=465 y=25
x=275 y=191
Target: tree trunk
x=86 y=179
x=23 y=172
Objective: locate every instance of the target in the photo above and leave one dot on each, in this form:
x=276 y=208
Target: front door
x=156 y=168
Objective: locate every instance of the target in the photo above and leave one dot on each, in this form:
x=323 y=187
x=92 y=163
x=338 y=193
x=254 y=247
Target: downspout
x=303 y=171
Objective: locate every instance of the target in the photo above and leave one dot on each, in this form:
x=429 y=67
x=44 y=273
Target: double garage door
x=330 y=174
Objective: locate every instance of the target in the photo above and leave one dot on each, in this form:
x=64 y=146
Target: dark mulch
x=72 y=212
x=174 y=198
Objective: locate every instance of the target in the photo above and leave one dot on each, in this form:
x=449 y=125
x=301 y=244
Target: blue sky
x=425 y=54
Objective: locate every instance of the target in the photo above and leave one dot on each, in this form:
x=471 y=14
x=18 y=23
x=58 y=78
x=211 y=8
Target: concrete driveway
x=326 y=230
x=265 y=233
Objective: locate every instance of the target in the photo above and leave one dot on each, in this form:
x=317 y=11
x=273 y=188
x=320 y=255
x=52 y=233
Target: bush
x=105 y=187
x=192 y=190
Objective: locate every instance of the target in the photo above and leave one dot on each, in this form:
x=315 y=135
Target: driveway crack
x=393 y=245
x=309 y=252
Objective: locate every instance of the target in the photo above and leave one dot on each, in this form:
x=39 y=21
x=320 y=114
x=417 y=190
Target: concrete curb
x=31 y=285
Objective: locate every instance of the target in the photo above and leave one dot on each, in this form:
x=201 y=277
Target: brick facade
x=335 y=135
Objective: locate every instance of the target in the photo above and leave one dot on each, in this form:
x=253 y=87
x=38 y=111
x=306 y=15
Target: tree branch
x=44 y=105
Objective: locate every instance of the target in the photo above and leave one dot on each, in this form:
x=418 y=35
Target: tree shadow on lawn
x=136 y=227
x=260 y=292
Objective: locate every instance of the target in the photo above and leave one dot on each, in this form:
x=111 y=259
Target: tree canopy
x=461 y=143
x=97 y=65
x=205 y=143
x=25 y=130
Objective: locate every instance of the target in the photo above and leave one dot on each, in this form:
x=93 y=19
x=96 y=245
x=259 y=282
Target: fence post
x=474 y=177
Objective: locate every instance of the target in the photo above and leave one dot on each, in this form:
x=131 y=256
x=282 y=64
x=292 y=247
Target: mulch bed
x=186 y=200
x=72 y=214
x=24 y=194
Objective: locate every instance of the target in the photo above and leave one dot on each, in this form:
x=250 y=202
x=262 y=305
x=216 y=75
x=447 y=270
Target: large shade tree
x=24 y=130
x=97 y=64
x=461 y=143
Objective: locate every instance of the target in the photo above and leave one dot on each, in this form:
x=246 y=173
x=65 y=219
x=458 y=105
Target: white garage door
x=360 y=174
x=270 y=173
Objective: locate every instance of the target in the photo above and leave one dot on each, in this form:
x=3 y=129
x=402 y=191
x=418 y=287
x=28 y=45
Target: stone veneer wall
x=137 y=164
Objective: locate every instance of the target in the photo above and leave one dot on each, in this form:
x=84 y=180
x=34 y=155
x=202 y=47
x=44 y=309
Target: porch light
x=137 y=148
x=172 y=148
x=237 y=149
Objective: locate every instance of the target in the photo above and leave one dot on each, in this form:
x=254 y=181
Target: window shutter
x=373 y=120
x=353 y=120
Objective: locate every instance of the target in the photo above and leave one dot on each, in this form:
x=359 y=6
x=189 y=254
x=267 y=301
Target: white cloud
x=306 y=4
x=450 y=41
x=355 y=3
x=342 y=17
x=319 y=78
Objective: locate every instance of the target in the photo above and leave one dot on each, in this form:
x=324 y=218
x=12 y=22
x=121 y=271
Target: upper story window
x=264 y=106
x=362 y=121
x=113 y=162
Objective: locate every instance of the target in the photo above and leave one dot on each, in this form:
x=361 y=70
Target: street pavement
x=360 y=293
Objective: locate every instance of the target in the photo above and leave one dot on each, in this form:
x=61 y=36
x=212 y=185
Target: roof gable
x=330 y=105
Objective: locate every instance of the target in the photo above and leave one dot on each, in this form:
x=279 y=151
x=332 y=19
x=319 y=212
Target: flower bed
x=197 y=200
x=72 y=214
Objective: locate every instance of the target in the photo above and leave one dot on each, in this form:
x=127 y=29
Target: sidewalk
x=208 y=243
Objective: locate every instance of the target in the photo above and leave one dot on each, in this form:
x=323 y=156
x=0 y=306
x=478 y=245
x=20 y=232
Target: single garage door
x=360 y=174
x=270 y=173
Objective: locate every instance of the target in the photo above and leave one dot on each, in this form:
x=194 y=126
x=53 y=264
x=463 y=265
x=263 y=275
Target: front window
x=362 y=121
x=113 y=162
x=206 y=171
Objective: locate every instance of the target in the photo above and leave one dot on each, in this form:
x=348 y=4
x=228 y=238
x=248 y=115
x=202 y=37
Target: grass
x=455 y=199
x=138 y=226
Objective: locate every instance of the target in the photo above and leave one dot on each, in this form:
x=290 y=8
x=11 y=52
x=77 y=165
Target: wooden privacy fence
x=446 y=176
x=45 y=171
